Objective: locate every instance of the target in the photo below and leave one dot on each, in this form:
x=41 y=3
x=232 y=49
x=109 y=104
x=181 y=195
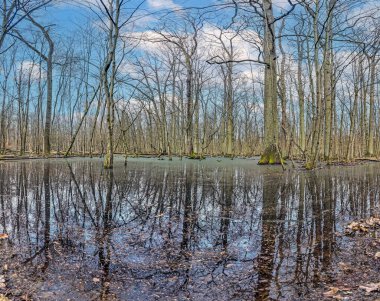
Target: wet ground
x=182 y=230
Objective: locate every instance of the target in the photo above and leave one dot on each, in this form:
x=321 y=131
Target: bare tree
x=48 y=58
x=14 y=11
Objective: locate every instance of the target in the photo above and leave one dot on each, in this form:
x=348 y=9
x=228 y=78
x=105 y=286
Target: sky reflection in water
x=176 y=230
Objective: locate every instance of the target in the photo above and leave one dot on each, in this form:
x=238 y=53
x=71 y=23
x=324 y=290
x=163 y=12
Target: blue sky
x=66 y=16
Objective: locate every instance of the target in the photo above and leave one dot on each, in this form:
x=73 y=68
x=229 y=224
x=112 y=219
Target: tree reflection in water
x=152 y=231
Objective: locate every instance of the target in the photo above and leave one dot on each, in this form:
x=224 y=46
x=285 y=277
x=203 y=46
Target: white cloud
x=242 y=49
x=30 y=67
x=148 y=40
x=163 y=4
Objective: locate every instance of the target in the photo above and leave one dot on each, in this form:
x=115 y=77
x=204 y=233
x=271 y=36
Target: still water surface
x=181 y=230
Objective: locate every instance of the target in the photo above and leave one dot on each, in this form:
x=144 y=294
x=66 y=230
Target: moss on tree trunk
x=108 y=161
x=271 y=155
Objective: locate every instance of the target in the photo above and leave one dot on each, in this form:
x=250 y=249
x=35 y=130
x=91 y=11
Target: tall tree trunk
x=327 y=82
x=189 y=107
x=49 y=100
x=301 y=96
x=109 y=83
x=371 y=122
x=230 y=113
x=353 y=116
x=284 y=122
x=315 y=148
x=271 y=154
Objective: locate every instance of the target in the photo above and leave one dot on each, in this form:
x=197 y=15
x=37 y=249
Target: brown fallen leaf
x=332 y=292
x=356 y=226
x=377 y=255
x=3 y=236
x=344 y=267
x=335 y=292
x=3 y=298
x=373 y=221
x=371 y=287
x=353 y=225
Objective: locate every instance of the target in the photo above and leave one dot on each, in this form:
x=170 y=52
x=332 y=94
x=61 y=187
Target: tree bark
x=271 y=154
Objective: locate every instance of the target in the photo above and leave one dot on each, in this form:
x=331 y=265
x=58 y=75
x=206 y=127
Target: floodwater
x=181 y=230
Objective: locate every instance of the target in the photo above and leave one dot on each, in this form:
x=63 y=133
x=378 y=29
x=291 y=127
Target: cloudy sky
x=72 y=12
x=69 y=11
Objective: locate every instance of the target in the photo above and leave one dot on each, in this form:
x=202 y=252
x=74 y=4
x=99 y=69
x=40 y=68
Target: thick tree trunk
x=271 y=153
x=49 y=98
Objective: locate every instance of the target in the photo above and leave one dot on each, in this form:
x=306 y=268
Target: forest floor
x=356 y=276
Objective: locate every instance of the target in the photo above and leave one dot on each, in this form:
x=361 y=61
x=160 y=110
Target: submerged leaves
x=332 y=292
x=362 y=226
x=371 y=287
x=345 y=267
x=2 y=282
x=335 y=292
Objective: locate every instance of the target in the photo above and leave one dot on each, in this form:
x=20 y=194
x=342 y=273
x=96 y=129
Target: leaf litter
x=357 y=274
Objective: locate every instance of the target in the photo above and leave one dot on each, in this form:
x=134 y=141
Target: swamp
x=201 y=150
x=216 y=229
